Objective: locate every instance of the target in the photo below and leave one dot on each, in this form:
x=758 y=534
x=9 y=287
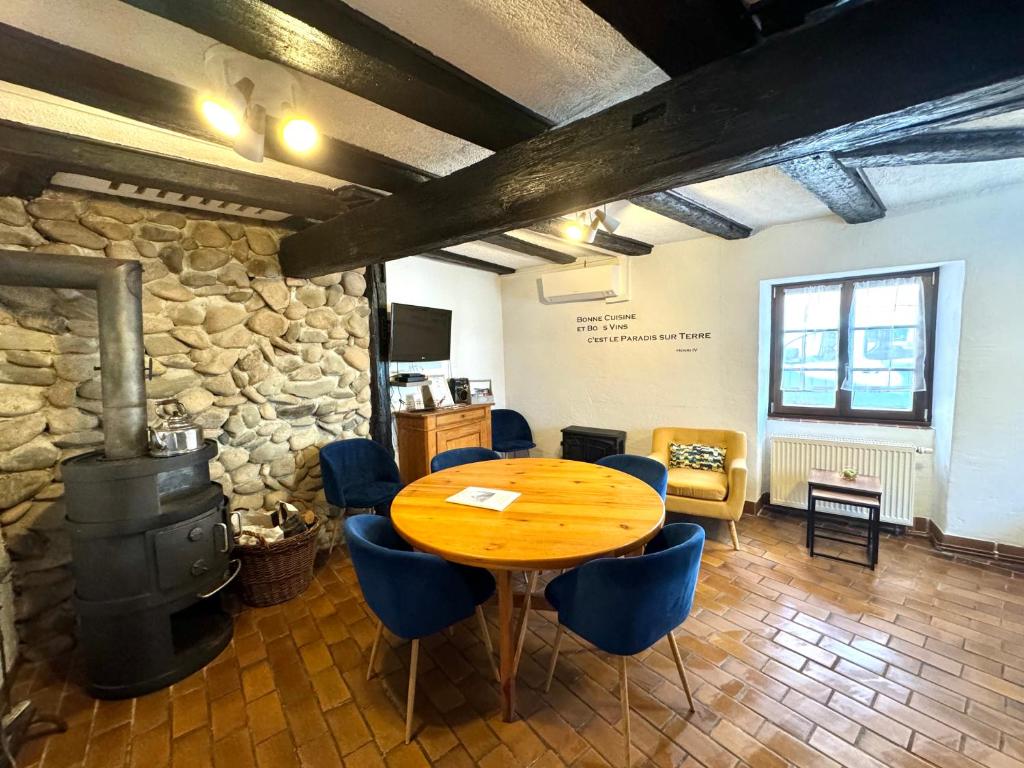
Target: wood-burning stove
x=151 y=545
x=151 y=539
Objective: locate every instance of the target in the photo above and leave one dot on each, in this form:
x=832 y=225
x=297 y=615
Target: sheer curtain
x=810 y=316
x=887 y=336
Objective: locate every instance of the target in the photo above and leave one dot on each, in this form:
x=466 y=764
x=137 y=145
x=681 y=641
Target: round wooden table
x=568 y=512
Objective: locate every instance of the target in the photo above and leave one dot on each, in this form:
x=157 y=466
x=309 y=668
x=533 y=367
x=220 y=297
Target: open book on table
x=485 y=498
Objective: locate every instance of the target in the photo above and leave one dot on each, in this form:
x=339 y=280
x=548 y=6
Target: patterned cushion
x=709 y=458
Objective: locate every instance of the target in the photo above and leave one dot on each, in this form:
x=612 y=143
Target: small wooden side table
x=864 y=491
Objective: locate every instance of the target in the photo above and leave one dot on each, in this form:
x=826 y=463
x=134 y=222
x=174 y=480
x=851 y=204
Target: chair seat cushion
x=508 y=446
x=698 y=484
x=371 y=494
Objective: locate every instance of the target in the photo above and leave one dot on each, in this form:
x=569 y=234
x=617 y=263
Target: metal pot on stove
x=175 y=432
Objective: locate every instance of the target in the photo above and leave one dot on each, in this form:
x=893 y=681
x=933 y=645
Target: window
x=856 y=349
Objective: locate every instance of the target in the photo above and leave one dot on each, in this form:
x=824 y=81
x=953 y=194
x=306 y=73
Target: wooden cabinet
x=424 y=434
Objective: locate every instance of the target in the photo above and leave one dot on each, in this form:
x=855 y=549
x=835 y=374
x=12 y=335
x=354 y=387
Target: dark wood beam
x=44 y=65
x=693 y=214
x=680 y=35
x=22 y=179
x=380 y=346
x=450 y=257
x=626 y=246
x=29 y=147
x=844 y=190
x=941 y=147
x=530 y=249
x=332 y=42
x=850 y=80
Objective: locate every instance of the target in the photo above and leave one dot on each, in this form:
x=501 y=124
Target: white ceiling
x=554 y=56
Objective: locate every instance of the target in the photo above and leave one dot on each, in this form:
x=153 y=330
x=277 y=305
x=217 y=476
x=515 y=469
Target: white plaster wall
x=555 y=378
x=474 y=297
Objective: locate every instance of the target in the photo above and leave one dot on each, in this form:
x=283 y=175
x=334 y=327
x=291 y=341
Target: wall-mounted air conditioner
x=607 y=282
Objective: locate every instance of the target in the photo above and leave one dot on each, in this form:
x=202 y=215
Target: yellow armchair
x=706 y=494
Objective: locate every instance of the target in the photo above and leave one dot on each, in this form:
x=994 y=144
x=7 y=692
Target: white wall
x=474 y=297
x=556 y=378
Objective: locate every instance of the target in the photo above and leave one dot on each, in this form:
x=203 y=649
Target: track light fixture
x=236 y=105
x=583 y=228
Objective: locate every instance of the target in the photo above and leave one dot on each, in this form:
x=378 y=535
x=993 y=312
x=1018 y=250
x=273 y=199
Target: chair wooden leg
x=487 y=642
x=554 y=658
x=411 y=698
x=735 y=536
x=679 y=666
x=374 y=648
x=624 y=685
x=531 y=584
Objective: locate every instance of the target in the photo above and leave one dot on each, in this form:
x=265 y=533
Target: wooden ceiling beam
x=332 y=42
x=674 y=206
x=530 y=249
x=625 y=246
x=50 y=67
x=450 y=257
x=844 y=190
x=680 y=35
x=941 y=147
x=28 y=147
x=816 y=89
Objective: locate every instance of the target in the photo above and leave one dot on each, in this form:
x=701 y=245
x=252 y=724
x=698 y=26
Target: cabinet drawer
x=459 y=417
x=463 y=436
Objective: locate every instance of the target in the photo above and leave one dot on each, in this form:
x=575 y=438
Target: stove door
x=188 y=553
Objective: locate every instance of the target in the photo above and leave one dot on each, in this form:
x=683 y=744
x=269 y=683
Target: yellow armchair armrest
x=659 y=458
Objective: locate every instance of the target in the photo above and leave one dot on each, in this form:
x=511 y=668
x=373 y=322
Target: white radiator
x=792 y=458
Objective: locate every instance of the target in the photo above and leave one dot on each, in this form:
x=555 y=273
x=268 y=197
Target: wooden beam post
x=844 y=190
x=816 y=89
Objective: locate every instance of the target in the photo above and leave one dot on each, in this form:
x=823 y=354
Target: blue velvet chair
x=625 y=605
x=413 y=594
x=650 y=471
x=359 y=473
x=456 y=457
x=509 y=432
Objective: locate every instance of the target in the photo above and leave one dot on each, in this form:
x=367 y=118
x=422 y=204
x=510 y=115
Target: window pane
x=810 y=346
x=816 y=307
x=888 y=303
x=885 y=347
x=882 y=390
x=809 y=387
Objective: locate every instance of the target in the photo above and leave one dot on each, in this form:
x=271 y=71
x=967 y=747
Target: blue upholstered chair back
x=625 y=605
x=415 y=594
x=650 y=471
x=507 y=425
x=458 y=456
x=354 y=462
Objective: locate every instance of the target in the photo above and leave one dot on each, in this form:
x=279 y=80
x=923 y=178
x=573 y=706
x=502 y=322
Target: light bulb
x=299 y=135
x=221 y=118
x=574 y=231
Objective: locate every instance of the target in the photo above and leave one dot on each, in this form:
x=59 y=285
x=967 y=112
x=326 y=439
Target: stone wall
x=271 y=367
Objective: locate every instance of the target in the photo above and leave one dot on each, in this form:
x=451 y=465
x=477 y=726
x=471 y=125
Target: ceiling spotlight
x=574 y=230
x=220 y=117
x=299 y=135
x=606 y=220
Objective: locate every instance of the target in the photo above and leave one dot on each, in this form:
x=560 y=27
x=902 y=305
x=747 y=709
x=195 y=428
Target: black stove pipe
x=118 y=286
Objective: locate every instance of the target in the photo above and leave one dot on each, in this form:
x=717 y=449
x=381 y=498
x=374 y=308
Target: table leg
x=506 y=646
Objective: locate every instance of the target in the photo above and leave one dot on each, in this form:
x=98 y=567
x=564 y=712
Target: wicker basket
x=276 y=572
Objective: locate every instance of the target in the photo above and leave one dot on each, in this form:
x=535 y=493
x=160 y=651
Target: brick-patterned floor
x=793 y=662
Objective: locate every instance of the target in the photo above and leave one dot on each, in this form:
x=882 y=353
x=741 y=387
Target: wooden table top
x=569 y=512
x=825 y=478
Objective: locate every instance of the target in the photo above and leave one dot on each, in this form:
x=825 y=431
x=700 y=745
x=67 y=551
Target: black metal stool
x=864 y=492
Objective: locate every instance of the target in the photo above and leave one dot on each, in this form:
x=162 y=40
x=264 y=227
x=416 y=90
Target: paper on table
x=485 y=498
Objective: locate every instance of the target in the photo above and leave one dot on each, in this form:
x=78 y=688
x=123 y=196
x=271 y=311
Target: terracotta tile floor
x=793 y=662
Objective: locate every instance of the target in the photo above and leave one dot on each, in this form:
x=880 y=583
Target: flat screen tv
x=420 y=333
